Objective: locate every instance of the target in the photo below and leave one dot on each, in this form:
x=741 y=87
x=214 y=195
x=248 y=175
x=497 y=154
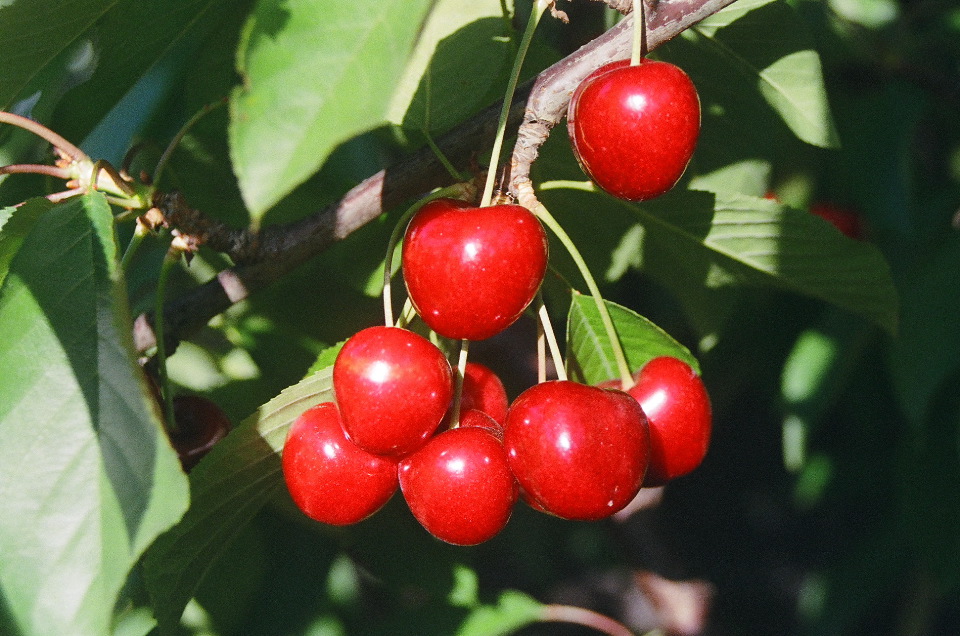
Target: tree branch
x=267 y=256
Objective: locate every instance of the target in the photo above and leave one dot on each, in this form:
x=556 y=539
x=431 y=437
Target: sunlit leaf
x=768 y=44
x=513 y=610
x=315 y=74
x=87 y=476
x=725 y=239
x=465 y=53
x=589 y=353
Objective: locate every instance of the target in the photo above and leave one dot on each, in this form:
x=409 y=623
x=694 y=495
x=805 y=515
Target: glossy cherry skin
x=459 y=486
x=470 y=272
x=677 y=405
x=201 y=423
x=634 y=128
x=841 y=218
x=393 y=388
x=483 y=390
x=578 y=452
x=331 y=479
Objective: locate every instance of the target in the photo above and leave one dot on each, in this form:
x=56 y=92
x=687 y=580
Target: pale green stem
x=536 y=13
x=639 y=32
x=140 y=232
x=171 y=259
x=407 y=314
x=547 y=219
x=442 y=158
x=458 y=384
x=541 y=349
x=552 y=342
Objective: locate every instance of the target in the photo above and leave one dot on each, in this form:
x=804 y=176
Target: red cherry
x=677 y=406
x=843 y=219
x=634 y=128
x=479 y=419
x=470 y=272
x=459 y=486
x=393 y=388
x=579 y=452
x=483 y=390
x=331 y=479
x=200 y=425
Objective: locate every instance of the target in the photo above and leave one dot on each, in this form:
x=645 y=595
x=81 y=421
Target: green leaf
x=589 y=354
x=228 y=487
x=15 y=224
x=723 y=239
x=459 y=66
x=513 y=610
x=925 y=353
x=315 y=74
x=87 y=476
x=326 y=358
x=33 y=34
x=126 y=43
x=767 y=42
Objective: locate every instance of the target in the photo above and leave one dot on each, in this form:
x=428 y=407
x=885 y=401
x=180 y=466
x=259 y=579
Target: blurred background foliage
x=830 y=500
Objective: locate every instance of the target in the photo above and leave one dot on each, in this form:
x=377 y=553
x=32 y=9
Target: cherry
x=459 y=486
x=470 y=272
x=634 y=128
x=677 y=406
x=578 y=452
x=331 y=479
x=201 y=423
x=393 y=388
x=483 y=390
x=842 y=218
x=479 y=419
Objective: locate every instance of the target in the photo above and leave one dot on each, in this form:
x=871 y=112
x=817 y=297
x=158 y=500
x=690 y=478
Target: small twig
x=38 y=129
x=585 y=617
x=57 y=172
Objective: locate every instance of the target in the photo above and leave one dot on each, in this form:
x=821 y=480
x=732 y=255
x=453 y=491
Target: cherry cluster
x=460 y=453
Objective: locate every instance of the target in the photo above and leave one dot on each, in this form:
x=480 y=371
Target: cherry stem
x=456 y=190
x=585 y=617
x=190 y=123
x=552 y=342
x=140 y=232
x=61 y=144
x=541 y=346
x=407 y=314
x=172 y=258
x=30 y=168
x=442 y=158
x=547 y=219
x=57 y=197
x=458 y=383
x=639 y=49
x=536 y=13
